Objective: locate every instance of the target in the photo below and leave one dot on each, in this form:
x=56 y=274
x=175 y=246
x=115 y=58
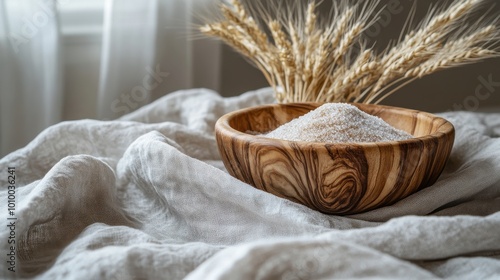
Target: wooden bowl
x=342 y=178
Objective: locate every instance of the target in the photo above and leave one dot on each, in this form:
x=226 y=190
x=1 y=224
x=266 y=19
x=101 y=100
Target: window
x=81 y=20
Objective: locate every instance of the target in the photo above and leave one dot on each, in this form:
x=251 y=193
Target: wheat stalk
x=308 y=58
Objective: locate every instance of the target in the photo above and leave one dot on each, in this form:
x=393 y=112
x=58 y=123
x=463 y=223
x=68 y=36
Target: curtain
x=148 y=48
x=30 y=70
x=127 y=56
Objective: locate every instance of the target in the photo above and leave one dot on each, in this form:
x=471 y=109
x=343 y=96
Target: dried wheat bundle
x=306 y=58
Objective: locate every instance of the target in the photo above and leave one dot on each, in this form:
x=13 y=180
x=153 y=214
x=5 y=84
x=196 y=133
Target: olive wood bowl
x=344 y=178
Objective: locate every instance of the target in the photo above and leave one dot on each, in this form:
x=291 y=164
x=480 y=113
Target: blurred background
x=100 y=59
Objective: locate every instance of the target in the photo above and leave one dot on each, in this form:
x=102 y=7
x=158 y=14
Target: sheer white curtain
x=128 y=49
x=147 y=49
x=30 y=70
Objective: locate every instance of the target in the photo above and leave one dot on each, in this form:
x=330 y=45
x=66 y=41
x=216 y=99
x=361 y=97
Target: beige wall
x=447 y=90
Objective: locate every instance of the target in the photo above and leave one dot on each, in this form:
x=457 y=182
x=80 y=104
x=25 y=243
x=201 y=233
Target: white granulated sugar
x=338 y=123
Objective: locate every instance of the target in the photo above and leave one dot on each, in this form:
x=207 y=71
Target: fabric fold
x=147 y=197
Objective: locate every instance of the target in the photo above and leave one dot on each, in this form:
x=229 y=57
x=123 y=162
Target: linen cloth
x=147 y=197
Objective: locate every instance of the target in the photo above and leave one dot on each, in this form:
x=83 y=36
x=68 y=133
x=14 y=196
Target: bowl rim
x=222 y=124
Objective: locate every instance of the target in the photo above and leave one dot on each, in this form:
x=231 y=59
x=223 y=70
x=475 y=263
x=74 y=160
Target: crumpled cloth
x=147 y=197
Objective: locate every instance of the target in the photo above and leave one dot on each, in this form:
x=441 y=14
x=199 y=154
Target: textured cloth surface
x=147 y=197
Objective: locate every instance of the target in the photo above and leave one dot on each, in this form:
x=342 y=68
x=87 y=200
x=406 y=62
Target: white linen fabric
x=147 y=197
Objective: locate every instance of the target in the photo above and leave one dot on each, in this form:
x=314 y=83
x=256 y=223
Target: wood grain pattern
x=335 y=178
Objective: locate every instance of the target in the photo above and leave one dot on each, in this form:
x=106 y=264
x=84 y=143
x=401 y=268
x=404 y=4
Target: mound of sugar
x=338 y=123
